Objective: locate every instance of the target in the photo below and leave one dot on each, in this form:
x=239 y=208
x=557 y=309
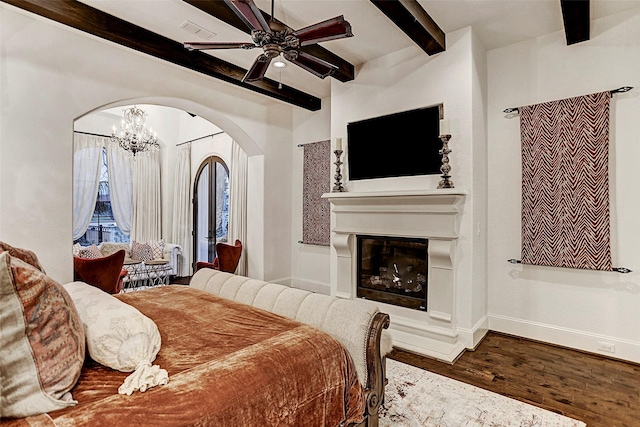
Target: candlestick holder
x=445 y=182
x=337 y=187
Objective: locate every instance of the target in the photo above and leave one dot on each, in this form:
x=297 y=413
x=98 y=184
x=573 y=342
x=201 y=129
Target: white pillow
x=119 y=336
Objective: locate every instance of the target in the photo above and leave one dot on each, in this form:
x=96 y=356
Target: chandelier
x=133 y=135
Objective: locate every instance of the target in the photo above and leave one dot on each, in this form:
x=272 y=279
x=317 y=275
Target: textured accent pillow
x=157 y=247
x=76 y=249
x=92 y=252
x=109 y=248
x=24 y=254
x=141 y=251
x=119 y=336
x=42 y=341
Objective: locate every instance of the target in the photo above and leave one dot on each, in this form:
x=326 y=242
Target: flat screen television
x=399 y=144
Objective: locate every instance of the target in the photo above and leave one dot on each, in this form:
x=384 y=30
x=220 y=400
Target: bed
x=230 y=364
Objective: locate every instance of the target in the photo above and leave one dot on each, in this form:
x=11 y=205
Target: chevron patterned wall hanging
x=316 y=181
x=565 y=183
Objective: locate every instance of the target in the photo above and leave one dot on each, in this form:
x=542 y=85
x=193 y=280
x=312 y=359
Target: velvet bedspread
x=229 y=364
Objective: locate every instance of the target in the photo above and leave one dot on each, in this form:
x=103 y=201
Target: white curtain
x=182 y=217
x=120 y=186
x=238 y=203
x=146 y=223
x=87 y=163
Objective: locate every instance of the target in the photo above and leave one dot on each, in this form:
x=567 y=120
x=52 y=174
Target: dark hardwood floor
x=600 y=391
x=180 y=280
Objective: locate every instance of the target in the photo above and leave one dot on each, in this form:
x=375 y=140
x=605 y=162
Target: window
x=103 y=227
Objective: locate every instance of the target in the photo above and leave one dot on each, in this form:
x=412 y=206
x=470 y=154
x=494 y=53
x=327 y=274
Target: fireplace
x=393 y=270
x=432 y=217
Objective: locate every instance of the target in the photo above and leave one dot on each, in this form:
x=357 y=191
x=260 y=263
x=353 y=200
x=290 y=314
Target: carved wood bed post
x=376 y=368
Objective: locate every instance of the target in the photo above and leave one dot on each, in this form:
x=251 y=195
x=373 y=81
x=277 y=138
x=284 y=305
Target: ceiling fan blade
x=314 y=65
x=249 y=13
x=331 y=29
x=258 y=69
x=218 y=45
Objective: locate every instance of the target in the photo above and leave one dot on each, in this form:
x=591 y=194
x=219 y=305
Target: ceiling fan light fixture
x=276 y=39
x=279 y=63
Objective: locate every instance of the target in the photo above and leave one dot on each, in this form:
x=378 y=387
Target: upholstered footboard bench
x=358 y=325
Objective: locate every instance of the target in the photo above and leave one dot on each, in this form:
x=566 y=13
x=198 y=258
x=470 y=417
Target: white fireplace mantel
x=431 y=214
x=398 y=213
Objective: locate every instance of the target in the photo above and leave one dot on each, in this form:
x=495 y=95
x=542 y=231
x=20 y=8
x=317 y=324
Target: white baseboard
x=444 y=351
x=311 y=286
x=579 y=340
x=285 y=281
x=306 y=285
x=472 y=337
x=446 y=344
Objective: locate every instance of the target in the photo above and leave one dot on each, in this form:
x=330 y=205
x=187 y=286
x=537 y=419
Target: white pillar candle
x=445 y=128
x=339 y=144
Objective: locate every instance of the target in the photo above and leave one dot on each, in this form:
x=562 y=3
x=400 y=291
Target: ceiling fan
x=276 y=38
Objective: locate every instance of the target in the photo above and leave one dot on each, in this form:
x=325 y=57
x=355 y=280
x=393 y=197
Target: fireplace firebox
x=393 y=270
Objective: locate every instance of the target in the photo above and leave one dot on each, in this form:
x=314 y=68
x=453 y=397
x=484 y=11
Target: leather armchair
x=227 y=259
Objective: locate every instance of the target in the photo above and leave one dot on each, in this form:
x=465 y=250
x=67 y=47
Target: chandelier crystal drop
x=134 y=136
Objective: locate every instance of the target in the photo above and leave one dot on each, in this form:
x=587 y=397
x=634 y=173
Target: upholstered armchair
x=105 y=273
x=227 y=259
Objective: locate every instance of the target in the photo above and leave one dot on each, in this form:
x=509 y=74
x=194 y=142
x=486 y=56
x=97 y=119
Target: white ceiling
x=496 y=22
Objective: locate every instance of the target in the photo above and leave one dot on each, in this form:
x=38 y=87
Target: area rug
x=418 y=398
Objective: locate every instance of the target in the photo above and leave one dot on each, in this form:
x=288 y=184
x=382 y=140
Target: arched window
x=210 y=208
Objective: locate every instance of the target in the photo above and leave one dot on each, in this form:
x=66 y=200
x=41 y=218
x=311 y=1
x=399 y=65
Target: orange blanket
x=229 y=364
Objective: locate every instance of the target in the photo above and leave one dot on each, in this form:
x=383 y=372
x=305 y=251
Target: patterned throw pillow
x=24 y=254
x=141 y=251
x=157 y=246
x=42 y=341
x=90 y=252
x=76 y=249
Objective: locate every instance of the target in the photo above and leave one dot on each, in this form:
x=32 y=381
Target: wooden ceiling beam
x=220 y=10
x=416 y=23
x=577 y=20
x=95 y=22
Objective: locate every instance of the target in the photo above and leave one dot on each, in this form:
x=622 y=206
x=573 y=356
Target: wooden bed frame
x=376 y=368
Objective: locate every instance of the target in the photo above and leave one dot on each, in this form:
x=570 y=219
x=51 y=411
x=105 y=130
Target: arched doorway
x=210 y=208
x=184 y=122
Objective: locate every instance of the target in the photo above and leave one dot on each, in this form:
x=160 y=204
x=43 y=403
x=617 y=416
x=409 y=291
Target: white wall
x=277 y=177
x=564 y=306
x=397 y=82
x=309 y=263
x=62 y=74
x=410 y=79
x=479 y=225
